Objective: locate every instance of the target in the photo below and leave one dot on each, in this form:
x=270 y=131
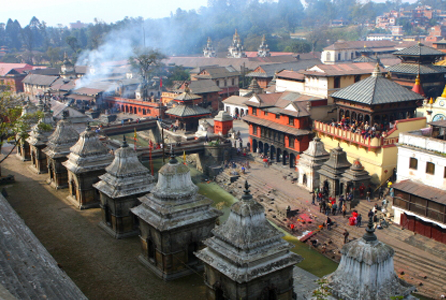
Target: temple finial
x=124 y=142
x=172 y=160
x=247 y=196
x=370 y=236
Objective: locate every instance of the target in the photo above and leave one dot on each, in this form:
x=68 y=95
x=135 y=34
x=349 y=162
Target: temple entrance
x=151 y=249
x=73 y=188
x=341 y=188
x=273 y=152
x=266 y=149
x=193 y=247
x=304 y=180
x=285 y=158
x=278 y=155
x=254 y=146
x=292 y=160
x=326 y=186
x=260 y=147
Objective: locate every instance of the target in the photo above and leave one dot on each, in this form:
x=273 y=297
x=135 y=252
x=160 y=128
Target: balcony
x=419 y=140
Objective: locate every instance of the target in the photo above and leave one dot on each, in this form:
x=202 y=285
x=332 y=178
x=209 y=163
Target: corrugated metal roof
x=276 y=126
x=291 y=75
x=236 y=100
x=271 y=69
x=376 y=90
x=341 y=69
x=413 y=69
x=202 y=87
x=419 y=50
x=187 y=111
x=421 y=190
x=360 y=45
x=36 y=79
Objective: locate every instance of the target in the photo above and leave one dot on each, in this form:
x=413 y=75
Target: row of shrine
x=243 y=258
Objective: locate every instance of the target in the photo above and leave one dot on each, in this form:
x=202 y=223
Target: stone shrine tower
x=247 y=257
x=59 y=144
x=354 y=177
x=23 y=148
x=209 y=50
x=263 y=49
x=37 y=140
x=366 y=271
x=174 y=220
x=222 y=123
x=332 y=170
x=125 y=180
x=236 y=49
x=310 y=162
x=86 y=162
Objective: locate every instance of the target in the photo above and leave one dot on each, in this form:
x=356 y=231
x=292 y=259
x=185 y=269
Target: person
x=328 y=223
x=345 y=234
x=344 y=210
x=381 y=192
x=334 y=208
x=370 y=214
x=369 y=193
x=322 y=207
x=359 y=220
x=314 y=198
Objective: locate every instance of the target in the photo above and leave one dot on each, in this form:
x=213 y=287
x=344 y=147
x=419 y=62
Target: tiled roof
x=419 y=50
x=219 y=72
x=254 y=53
x=187 y=96
x=236 y=100
x=271 y=69
x=276 y=126
x=47 y=71
x=360 y=45
x=363 y=58
x=286 y=74
x=413 y=69
x=188 y=111
x=341 y=69
x=420 y=190
x=376 y=90
x=202 y=87
x=5 y=68
x=43 y=80
x=88 y=91
x=265 y=100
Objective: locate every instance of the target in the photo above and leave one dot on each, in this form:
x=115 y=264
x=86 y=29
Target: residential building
x=420 y=198
x=12 y=75
x=278 y=128
x=226 y=78
x=342 y=51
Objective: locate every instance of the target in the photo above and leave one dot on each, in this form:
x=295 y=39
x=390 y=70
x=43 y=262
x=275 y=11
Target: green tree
x=299 y=46
x=148 y=62
x=54 y=56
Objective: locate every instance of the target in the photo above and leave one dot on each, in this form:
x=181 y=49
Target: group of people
x=364 y=128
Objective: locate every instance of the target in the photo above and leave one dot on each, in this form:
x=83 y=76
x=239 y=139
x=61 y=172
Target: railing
x=415 y=139
x=347 y=135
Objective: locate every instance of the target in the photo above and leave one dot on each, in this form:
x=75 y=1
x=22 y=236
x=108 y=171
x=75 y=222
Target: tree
x=300 y=46
x=72 y=42
x=54 y=56
x=147 y=61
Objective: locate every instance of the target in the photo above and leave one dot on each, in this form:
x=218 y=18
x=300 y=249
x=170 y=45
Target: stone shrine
x=331 y=171
x=23 y=148
x=236 y=49
x=38 y=139
x=86 y=162
x=354 y=177
x=174 y=220
x=209 y=50
x=125 y=180
x=366 y=271
x=310 y=162
x=247 y=257
x=58 y=147
x=223 y=122
x=263 y=50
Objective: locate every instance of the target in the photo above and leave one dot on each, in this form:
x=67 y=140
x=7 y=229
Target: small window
x=233 y=81
x=413 y=163
x=266 y=113
x=291 y=121
x=218 y=83
x=254 y=111
x=351 y=56
x=291 y=142
x=339 y=56
x=337 y=82
x=357 y=78
x=254 y=129
x=444 y=174
x=430 y=168
x=226 y=83
x=277 y=116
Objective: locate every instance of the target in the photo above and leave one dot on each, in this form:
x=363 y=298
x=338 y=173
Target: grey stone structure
x=366 y=271
x=332 y=170
x=354 y=177
x=209 y=50
x=236 y=49
x=174 y=220
x=23 y=148
x=58 y=147
x=125 y=179
x=37 y=141
x=247 y=257
x=86 y=162
x=310 y=162
x=263 y=50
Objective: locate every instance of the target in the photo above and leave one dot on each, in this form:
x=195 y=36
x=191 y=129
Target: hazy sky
x=64 y=12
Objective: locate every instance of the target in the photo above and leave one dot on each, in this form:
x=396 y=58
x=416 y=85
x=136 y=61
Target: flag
x=161 y=82
x=134 y=139
x=150 y=144
x=184 y=156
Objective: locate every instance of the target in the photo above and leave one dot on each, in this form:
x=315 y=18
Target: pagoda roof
x=419 y=50
x=60 y=142
x=186 y=96
x=88 y=154
x=247 y=239
x=336 y=164
x=125 y=176
x=174 y=202
x=415 y=69
x=376 y=90
x=182 y=110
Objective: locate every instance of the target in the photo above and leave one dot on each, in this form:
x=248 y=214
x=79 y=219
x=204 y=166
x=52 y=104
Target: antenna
x=144 y=35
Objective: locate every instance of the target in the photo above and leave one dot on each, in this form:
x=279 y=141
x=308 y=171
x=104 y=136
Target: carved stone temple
x=58 y=147
x=23 y=148
x=247 y=257
x=37 y=141
x=125 y=179
x=174 y=220
x=86 y=162
x=366 y=271
x=310 y=162
x=331 y=172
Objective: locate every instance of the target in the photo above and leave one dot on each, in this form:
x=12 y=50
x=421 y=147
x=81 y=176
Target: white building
x=420 y=196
